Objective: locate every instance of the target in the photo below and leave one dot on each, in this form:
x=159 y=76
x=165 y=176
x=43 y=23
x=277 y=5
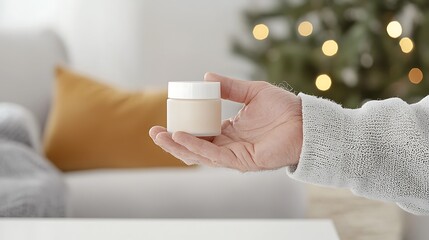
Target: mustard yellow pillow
x=94 y=125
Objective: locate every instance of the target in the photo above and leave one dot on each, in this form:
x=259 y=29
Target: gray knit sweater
x=379 y=151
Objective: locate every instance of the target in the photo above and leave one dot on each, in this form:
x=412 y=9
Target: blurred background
x=346 y=50
x=139 y=43
x=349 y=51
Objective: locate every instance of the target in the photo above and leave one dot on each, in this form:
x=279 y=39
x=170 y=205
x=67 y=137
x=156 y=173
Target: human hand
x=265 y=134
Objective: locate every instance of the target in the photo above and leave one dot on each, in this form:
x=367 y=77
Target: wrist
x=299 y=134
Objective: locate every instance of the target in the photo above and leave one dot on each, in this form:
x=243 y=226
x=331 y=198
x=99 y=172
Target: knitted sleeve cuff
x=379 y=151
x=322 y=158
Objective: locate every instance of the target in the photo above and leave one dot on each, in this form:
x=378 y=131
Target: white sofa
x=27 y=61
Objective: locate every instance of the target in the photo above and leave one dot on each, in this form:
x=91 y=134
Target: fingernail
x=206 y=75
x=151 y=134
x=211 y=76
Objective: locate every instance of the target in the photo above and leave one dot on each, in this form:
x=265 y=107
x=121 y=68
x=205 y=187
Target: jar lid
x=194 y=90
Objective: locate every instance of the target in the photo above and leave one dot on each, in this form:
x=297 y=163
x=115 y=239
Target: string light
x=261 y=32
x=406 y=44
x=415 y=75
x=394 y=29
x=330 y=48
x=323 y=82
x=305 y=28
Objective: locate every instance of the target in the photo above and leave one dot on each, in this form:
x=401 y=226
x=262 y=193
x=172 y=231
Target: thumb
x=233 y=89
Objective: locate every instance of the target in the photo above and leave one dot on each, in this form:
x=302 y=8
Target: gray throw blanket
x=29 y=185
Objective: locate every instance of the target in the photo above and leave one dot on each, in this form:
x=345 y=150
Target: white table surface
x=154 y=229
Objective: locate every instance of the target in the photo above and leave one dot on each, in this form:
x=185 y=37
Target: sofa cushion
x=94 y=125
x=200 y=192
x=27 y=60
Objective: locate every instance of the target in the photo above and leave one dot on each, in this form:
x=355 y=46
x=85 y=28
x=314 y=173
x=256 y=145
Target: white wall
x=136 y=43
x=148 y=43
x=27 y=13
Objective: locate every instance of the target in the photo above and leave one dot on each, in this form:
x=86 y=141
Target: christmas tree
x=349 y=51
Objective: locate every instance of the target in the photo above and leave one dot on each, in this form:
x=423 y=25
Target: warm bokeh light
x=394 y=29
x=415 y=75
x=305 y=28
x=261 y=32
x=406 y=44
x=323 y=82
x=330 y=48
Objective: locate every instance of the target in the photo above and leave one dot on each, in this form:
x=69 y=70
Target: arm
x=379 y=151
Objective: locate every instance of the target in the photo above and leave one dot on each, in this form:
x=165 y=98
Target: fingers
x=217 y=155
x=163 y=139
x=236 y=90
x=192 y=150
x=155 y=130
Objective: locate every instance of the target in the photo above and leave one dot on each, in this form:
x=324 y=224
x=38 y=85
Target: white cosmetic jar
x=194 y=107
